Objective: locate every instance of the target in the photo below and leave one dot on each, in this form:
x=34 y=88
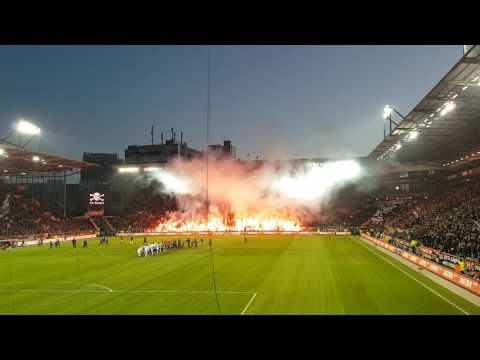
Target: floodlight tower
x=23 y=127
x=387 y=115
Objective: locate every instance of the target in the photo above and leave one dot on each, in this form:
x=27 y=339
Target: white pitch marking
x=249 y=303
x=63 y=282
x=130 y=291
x=89 y=284
x=109 y=290
x=418 y=281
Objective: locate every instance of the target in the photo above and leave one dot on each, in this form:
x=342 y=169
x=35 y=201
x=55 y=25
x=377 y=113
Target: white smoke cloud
x=317 y=180
x=171 y=182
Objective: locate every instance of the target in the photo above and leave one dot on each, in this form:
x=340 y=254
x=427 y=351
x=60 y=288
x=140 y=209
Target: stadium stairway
x=97 y=229
x=109 y=225
x=104 y=226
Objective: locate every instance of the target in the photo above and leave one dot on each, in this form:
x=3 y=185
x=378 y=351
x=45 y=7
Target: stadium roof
x=15 y=160
x=445 y=125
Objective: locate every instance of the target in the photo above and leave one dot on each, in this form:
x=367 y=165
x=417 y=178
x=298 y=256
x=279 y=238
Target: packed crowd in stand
x=144 y=210
x=26 y=217
x=344 y=218
x=449 y=221
x=136 y=223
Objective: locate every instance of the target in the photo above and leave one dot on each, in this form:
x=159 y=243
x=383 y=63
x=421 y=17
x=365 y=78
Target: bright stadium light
x=35 y=158
x=387 y=111
x=26 y=127
x=413 y=135
x=151 y=169
x=128 y=169
x=449 y=106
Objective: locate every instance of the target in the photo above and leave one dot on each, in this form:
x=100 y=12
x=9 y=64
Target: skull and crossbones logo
x=96 y=198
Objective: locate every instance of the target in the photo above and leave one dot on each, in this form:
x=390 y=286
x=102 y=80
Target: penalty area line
x=412 y=277
x=248 y=304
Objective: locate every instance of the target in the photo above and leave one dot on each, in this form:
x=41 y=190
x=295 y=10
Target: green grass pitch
x=283 y=274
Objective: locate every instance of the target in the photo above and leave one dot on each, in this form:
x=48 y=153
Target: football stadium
x=173 y=230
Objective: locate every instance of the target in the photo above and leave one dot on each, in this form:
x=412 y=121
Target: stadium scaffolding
x=444 y=128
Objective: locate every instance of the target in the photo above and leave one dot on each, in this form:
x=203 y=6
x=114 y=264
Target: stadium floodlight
x=413 y=135
x=128 y=169
x=151 y=169
x=387 y=111
x=26 y=127
x=35 y=158
x=449 y=106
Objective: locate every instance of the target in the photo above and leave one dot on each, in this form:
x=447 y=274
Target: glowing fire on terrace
x=219 y=224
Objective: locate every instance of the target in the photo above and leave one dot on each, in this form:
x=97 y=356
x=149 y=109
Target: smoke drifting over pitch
x=272 y=196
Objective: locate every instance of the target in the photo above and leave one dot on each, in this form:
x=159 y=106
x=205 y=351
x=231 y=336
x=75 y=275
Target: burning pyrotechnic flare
x=243 y=198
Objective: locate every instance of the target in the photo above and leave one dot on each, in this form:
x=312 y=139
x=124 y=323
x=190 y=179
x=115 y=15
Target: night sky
x=271 y=101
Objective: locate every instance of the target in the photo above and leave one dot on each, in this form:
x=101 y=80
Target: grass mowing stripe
x=412 y=277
